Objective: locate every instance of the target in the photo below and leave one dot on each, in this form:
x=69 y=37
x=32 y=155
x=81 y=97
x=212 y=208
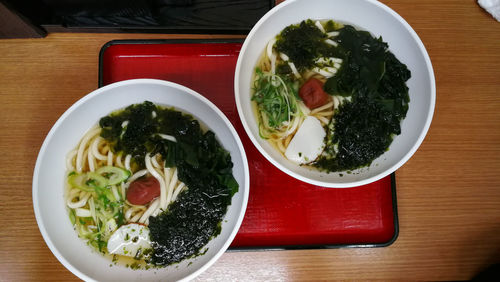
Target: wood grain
x=448 y=193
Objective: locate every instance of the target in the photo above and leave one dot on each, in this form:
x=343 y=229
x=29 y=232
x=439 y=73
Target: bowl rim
x=102 y=91
x=407 y=156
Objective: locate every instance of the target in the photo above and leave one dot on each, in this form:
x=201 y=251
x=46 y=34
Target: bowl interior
x=366 y=15
x=49 y=177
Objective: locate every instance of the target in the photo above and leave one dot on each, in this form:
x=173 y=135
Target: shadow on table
x=491 y=273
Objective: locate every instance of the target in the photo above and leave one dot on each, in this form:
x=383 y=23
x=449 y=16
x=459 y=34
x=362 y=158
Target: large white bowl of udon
x=50 y=176
x=368 y=15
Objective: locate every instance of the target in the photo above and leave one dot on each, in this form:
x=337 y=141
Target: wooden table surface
x=448 y=194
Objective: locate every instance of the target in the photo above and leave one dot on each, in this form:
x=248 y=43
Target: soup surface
x=148 y=187
x=329 y=96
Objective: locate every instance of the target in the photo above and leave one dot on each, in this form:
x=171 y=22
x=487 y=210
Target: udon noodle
x=94 y=152
x=329 y=96
x=280 y=137
x=127 y=186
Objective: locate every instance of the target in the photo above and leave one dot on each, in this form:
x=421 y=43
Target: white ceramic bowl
x=369 y=15
x=49 y=178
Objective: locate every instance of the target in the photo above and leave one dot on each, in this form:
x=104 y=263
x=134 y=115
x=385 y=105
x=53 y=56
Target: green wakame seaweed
x=370 y=75
x=202 y=164
x=376 y=82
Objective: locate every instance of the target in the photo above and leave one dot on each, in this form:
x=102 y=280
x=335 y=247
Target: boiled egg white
x=129 y=239
x=308 y=142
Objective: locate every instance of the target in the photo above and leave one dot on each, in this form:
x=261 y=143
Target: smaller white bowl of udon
x=368 y=15
x=50 y=176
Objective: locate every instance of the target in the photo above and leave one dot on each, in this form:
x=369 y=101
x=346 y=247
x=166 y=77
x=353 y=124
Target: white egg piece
x=129 y=239
x=308 y=142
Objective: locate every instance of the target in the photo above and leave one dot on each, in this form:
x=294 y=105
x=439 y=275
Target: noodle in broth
x=336 y=77
x=137 y=145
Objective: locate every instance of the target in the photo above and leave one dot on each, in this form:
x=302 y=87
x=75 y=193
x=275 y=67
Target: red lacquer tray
x=282 y=212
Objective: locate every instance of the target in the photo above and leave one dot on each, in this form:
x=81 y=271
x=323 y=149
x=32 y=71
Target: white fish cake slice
x=308 y=142
x=129 y=239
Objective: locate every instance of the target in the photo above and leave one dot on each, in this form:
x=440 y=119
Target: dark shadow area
x=160 y=16
x=491 y=273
